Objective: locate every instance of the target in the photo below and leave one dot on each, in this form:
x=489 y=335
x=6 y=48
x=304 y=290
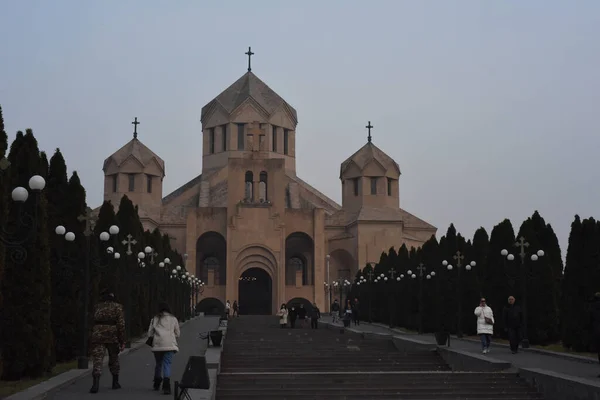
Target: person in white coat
x=485 y=325
x=283 y=315
x=164 y=329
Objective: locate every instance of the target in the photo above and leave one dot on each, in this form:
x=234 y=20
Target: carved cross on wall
x=255 y=134
x=128 y=242
x=370 y=275
x=459 y=257
x=392 y=273
x=90 y=221
x=421 y=269
x=522 y=244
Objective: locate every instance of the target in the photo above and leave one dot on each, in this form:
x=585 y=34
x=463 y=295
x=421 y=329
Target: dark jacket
x=512 y=316
x=109 y=324
x=315 y=313
x=595 y=318
x=335 y=307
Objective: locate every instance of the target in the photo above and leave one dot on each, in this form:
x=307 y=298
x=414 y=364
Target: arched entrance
x=211 y=306
x=255 y=292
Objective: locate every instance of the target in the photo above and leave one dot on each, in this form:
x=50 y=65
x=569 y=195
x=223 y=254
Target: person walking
x=335 y=310
x=235 y=309
x=315 y=316
x=595 y=323
x=283 y=315
x=512 y=317
x=227 y=309
x=293 y=314
x=108 y=334
x=355 y=314
x=164 y=329
x=485 y=325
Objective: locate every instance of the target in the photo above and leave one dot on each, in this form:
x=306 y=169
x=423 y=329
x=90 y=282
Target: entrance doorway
x=255 y=291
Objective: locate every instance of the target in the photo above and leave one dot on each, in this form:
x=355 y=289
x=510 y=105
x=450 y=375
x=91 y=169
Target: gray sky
x=488 y=106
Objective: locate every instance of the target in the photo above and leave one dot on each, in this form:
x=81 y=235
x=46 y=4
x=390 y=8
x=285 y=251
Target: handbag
x=489 y=321
x=150 y=341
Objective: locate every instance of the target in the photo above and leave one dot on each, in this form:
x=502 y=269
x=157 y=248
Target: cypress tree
x=63 y=311
x=500 y=275
x=480 y=251
x=430 y=255
x=129 y=224
x=3 y=208
x=27 y=294
x=542 y=313
x=572 y=311
x=3 y=198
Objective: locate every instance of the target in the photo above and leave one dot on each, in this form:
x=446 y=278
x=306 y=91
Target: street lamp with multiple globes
x=521 y=244
x=391 y=292
x=197 y=290
x=459 y=265
x=421 y=268
x=179 y=274
x=25 y=227
x=362 y=281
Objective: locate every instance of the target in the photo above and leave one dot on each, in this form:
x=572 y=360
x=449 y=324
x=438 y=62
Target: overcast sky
x=491 y=108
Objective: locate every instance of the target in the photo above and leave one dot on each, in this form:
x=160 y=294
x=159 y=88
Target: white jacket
x=165 y=332
x=283 y=314
x=482 y=326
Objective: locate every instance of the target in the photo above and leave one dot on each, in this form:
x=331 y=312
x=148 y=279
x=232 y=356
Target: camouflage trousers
x=98 y=351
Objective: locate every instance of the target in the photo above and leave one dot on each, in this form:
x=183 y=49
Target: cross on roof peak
x=135 y=123
x=369 y=127
x=249 y=53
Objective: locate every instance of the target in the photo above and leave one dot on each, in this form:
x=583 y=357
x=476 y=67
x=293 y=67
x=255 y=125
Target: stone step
x=371 y=378
x=375 y=395
x=329 y=368
x=261 y=361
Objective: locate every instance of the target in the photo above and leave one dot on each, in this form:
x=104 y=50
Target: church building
x=252 y=229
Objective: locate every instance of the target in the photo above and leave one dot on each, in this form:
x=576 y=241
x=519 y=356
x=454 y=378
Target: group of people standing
x=301 y=314
x=108 y=334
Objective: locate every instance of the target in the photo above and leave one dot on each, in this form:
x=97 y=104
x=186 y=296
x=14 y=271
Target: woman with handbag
x=162 y=337
x=485 y=325
x=283 y=314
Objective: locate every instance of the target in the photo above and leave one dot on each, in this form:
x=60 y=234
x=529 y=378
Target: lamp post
x=164 y=268
x=128 y=242
x=370 y=281
x=459 y=265
x=421 y=268
x=521 y=244
x=197 y=290
x=327 y=284
x=394 y=279
x=177 y=276
x=14 y=237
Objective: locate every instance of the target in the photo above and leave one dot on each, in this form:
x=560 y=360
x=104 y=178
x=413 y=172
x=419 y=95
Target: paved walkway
x=137 y=368
x=522 y=359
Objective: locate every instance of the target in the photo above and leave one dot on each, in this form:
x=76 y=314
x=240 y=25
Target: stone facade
x=248 y=209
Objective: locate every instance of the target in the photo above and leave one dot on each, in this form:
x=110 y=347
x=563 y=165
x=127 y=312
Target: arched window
x=249 y=192
x=212 y=263
x=295 y=264
x=262 y=187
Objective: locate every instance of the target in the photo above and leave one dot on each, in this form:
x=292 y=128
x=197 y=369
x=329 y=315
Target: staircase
x=262 y=361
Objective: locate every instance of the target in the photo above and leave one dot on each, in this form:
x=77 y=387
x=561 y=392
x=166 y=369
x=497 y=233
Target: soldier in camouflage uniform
x=108 y=333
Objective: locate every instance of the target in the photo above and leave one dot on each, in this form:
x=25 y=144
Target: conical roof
x=137 y=150
x=248 y=86
x=365 y=155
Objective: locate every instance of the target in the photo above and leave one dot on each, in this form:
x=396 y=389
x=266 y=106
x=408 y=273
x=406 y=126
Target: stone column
x=319 y=259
